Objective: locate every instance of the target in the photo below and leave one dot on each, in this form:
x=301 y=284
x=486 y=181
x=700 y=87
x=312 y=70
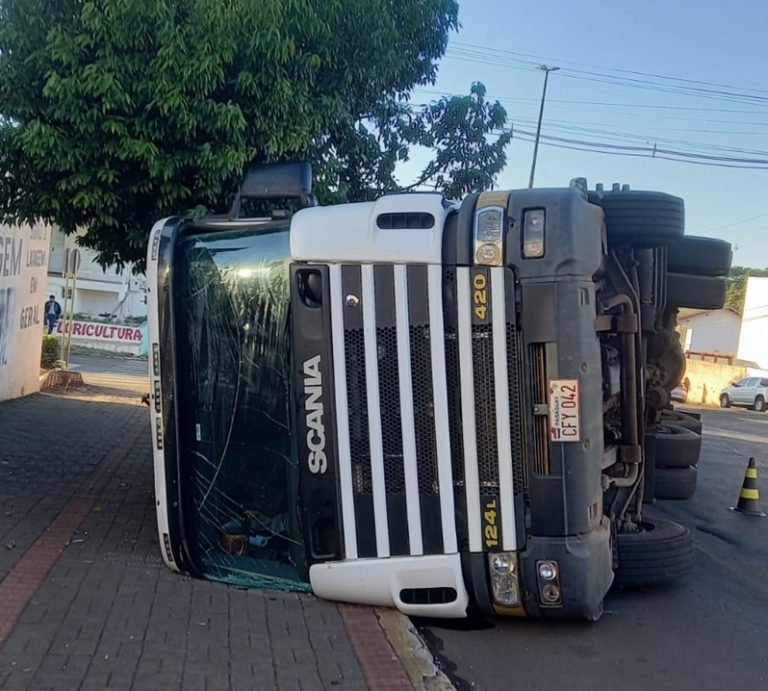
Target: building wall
x=715 y=331
x=707 y=379
x=97 y=291
x=23 y=268
x=753 y=340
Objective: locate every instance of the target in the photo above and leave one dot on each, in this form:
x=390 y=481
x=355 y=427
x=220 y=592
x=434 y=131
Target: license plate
x=564 y=410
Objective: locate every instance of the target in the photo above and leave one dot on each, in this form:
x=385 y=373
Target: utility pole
x=546 y=70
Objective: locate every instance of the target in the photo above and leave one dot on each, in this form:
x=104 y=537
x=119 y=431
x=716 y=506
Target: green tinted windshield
x=238 y=476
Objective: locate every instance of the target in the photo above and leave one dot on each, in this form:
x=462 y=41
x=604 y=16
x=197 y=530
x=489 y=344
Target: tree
x=466 y=135
x=736 y=286
x=114 y=113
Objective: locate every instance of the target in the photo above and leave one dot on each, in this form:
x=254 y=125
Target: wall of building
x=706 y=379
x=23 y=269
x=715 y=331
x=753 y=340
x=97 y=291
x=95 y=302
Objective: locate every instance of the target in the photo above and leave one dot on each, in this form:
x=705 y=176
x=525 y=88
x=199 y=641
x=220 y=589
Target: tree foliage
x=114 y=113
x=736 y=286
x=466 y=137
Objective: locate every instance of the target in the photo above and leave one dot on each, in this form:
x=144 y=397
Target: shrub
x=51 y=352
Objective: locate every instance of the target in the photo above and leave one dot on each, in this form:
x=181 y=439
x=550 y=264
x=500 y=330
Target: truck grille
x=485 y=409
x=429 y=409
x=538 y=383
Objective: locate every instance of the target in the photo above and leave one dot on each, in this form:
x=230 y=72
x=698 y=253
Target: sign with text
x=23 y=275
x=108 y=333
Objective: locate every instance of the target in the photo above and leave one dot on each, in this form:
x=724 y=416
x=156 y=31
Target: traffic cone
x=749 y=499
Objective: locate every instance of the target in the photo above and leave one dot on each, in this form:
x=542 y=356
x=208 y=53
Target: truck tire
x=675 y=417
x=645 y=219
x=662 y=551
x=700 y=256
x=676 y=446
x=695 y=292
x=674 y=483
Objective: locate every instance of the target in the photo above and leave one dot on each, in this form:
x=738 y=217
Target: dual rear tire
x=678 y=448
x=659 y=552
x=696 y=265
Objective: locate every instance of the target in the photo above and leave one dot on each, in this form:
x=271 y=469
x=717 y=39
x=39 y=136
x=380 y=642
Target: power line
x=490 y=57
x=644 y=151
x=567 y=103
x=615 y=69
x=611 y=103
x=653 y=142
x=737 y=223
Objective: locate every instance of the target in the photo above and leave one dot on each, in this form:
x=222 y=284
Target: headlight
x=503 y=563
x=504 y=585
x=547 y=570
x=550 y=594
x=534 y=223
x=548 y=574
x=489 y=236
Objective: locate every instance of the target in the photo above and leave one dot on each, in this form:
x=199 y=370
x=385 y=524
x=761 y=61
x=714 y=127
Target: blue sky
x=500 y=43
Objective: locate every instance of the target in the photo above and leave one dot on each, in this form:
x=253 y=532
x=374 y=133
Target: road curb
x=413 y=652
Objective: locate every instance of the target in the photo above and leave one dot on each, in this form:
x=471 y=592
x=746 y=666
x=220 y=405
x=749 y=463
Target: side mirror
x=277 y=182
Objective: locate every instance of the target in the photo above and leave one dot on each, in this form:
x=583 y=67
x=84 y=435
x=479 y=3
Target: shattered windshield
x=239 y=478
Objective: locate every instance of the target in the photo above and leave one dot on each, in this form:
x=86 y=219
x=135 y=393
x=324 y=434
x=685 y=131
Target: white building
x=753 y=341
x=97 y=292
x=710 y=331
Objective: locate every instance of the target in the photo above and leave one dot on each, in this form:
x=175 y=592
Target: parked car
x=751 y=392
x=679 y=394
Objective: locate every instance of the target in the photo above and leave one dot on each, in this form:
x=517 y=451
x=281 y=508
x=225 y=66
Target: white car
x=751 y=392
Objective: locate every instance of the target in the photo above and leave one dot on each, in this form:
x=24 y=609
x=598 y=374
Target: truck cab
x=414 y=402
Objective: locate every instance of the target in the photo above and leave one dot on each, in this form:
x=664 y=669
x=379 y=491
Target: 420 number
x=480 y=296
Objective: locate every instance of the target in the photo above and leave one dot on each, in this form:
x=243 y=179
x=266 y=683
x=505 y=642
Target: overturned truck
x=439 y=406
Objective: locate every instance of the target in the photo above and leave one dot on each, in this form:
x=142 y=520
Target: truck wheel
x=700 y=256
x=675 y=417
x=662 y=551
x=725 y=402
x=760 y=404
x=646 y=219
x=695 y=292
x=674 y=483
x=676 y=446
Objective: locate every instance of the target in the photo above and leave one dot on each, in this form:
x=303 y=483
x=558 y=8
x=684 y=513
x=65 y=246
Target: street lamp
x=546 y=70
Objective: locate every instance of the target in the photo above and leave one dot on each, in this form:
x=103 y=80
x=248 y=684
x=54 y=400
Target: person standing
x=52 y=311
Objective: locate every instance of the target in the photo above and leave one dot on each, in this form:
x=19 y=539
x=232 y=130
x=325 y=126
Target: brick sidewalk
x=108 y=614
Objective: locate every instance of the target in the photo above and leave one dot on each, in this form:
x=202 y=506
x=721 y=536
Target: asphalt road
x=114 y=374
x=710 y=631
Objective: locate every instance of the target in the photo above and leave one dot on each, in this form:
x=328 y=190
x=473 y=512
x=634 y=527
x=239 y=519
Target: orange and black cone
x=749 y=499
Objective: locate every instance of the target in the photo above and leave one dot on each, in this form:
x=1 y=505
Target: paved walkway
x=85 y=602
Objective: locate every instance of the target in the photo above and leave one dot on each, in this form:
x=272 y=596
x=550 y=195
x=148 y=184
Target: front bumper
x=449 y=585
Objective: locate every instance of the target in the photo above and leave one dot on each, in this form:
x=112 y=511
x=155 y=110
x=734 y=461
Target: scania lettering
x=313 y=389
x=434 y=405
